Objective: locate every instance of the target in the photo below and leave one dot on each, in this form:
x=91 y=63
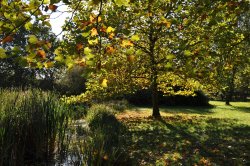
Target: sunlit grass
x=240 y=111
x=216 y=135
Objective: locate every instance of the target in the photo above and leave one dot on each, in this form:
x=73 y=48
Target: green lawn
x=218 y=135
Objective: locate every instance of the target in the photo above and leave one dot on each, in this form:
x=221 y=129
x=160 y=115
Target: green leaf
x=58 y=51
x=33 y=39
x=2 y=53
x=168 y=65
x=139 y=52
x=187 y=53
x=59 y=58
x=92 y=42
x=122 y=2
x=90 y=63
x=28 y=26
x=87 y=50
x=46 y=1
x=54 y=1
x=135 y=38
x=131 y=50
x=170 y=56
x=86 y=34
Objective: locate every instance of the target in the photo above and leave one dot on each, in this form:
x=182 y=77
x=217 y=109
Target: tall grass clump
x=32 y=126
x=101 y=144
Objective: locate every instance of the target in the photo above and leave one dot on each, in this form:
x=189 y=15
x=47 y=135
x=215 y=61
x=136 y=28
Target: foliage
x=70 y=82
x=33 y=125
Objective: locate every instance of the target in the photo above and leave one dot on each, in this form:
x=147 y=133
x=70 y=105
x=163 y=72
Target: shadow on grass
x=189 y=141
x=242 y=109
x=189 y=110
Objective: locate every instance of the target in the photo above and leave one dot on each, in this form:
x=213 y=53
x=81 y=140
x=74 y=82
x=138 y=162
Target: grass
x=216 y=135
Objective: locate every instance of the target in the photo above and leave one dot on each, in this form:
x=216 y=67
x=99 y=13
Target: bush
x=101 y=144
x=143 y=97
x=101 y=117
x=32 y=126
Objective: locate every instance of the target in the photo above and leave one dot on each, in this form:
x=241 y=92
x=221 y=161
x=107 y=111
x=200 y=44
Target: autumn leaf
x=7 y=39
x=84 y=24
x=94 y=32
x=49 y=64
x=53 y=7
x=110 y=49
x=111 y=35
x=81 y=61
x=126 y=43
x=41 y=53
x=48 y=44
x=79 y=46
x=103 y=29
x=131 y=58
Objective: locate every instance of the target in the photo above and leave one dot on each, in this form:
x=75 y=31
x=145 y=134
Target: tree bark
x=155 y=100
x=229 y=94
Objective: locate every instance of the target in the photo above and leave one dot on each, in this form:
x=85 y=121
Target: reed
x=32 y=126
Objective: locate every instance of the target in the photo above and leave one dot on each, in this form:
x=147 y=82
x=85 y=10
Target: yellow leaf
x=104 y=83
x=111 y=35
x=81 y=61
x=91 y=17
x=126 y=43
x=92 y=42
x=49 y=64
x=110 y=29
x=94 y=32
x=48 y=44
x=135 y=38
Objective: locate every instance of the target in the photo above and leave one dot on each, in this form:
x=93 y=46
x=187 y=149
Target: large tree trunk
x=155 y=102
x=229 y=93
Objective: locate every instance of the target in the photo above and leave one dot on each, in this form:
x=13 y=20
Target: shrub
x=32 y=126
x=143 y=97
x=101 y=117
x=101 y=145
